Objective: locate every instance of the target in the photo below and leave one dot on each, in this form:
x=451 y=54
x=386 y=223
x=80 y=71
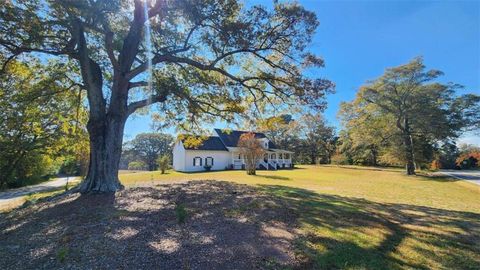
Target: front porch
x=272 y=160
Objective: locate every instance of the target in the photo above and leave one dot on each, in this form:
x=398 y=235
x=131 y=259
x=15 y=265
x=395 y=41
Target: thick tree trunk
x=105 y=151
x=313 y=158
x=152 y=166
x=373 y=150
x=410 y=166
x=408 y=144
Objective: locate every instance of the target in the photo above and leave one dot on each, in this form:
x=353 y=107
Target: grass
x=62 y=254
x=374 y=184
x=366 y=218
x=34 y=197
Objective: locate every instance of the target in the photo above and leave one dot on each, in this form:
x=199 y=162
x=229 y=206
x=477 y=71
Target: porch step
x=262 y=167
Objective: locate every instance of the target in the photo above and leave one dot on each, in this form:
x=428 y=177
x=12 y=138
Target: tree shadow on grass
x=436 y=178
x=364 y=168
x=352 y=233
x=194 y=225
x=274 y=177
x=232 y=226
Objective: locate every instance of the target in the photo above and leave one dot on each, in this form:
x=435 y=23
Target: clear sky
x=359 y=39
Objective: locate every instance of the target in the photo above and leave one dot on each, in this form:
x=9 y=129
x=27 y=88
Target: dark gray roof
x=230 y=138
x=210 y=143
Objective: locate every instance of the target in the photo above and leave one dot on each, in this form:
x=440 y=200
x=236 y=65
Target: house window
x=273 y=156
x=280 y=156
x=239 y=156
x=209 y=161
x=287 y=156
x=197 y=161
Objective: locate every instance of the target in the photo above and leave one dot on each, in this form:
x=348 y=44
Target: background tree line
x=146 y=150
x=310 y=136
x=404 y=118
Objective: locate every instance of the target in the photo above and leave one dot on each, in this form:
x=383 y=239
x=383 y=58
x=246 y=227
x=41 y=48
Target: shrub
x=136 y=165
x=181 y=213
x=62 y=254
x=163 y=163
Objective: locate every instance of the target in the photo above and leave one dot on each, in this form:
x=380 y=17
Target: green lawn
x=367 y=218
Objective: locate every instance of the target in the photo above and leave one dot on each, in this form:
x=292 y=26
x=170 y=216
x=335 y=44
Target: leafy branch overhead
x=210 y=57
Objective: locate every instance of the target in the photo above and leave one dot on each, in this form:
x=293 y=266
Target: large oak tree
x=419 y=111
x=197 y=59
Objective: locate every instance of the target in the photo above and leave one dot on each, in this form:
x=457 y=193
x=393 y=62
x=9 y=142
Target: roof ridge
x=244 y=131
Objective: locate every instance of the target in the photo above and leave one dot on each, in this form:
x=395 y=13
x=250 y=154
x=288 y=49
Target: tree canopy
x=406 y=107
x=148 y=147
x=208 y=56
x=197 y=59
x=40 y=116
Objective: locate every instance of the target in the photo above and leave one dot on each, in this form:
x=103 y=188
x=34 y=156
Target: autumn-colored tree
x=252 y=151
x=278 y=129
x=436 y=164
x=469 y=160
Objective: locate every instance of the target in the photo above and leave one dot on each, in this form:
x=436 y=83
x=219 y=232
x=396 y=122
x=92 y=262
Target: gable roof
x=230 y=138
x=210 y=143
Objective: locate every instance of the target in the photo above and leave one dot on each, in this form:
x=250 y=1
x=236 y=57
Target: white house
x=220 y=152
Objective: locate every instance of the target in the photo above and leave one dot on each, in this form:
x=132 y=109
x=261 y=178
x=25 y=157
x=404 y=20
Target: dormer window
x=266 y=144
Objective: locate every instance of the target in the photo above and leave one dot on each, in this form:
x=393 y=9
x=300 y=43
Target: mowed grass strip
x=374 y=184
x=367 y=218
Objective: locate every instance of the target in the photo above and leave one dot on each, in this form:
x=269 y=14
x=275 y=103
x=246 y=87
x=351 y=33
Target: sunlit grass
x=366 y=218
x=34 y=197
x=379 y=185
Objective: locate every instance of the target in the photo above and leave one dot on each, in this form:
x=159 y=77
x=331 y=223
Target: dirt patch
x=192 y=225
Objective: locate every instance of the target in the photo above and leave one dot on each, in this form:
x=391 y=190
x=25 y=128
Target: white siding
x=221 y=160
x=179 y=157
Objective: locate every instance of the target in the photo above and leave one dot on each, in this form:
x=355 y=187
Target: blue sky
x=359 y=39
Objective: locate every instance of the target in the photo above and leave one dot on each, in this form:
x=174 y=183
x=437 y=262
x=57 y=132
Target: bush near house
x=163 y=163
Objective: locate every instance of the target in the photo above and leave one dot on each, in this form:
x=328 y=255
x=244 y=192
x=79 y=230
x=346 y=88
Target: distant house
x=220 y=152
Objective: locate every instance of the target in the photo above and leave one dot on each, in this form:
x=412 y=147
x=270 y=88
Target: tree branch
x=91 y=73
x=132 y=107
x=109 y=49
x=137 y=84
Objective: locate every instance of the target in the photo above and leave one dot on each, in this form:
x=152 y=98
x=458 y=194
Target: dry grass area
x=312 y=217
x=194 y=225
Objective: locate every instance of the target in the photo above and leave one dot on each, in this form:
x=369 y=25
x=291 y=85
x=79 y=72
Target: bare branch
x=132 y=107
x=137 y=84
x=109 y=49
